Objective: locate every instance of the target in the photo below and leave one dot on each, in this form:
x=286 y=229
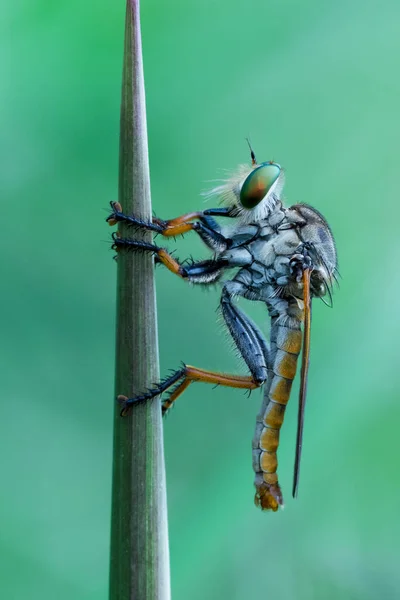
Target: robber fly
x=284 y=257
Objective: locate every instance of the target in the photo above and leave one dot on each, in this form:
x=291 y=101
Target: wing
x=304 y=374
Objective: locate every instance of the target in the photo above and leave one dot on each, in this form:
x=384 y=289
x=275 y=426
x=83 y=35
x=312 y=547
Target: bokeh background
x=316 y=86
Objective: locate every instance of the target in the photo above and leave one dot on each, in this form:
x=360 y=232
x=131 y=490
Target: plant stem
x=139 y=568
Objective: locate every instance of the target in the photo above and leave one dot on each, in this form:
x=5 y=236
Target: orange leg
x=201 y=272
x=245 y=382
x=181 y=224
x=195 y=374
x=185 y=377
x=168 y=402
x=170 y=228
x=163 y=256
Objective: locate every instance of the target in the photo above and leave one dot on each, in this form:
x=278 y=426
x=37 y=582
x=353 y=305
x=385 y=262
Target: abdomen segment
x=285 y=349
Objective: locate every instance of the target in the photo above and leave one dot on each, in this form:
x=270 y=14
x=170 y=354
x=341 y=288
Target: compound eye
x=257 y=185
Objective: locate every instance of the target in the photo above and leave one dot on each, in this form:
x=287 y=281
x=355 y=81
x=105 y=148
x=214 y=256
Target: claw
x=115 y=236
x=126 y=407
x=116 y=209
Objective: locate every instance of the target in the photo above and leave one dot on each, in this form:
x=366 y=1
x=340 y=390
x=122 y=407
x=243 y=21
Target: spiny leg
x=201 y=222
x=251 y=345
x=158 y=389
x=162 y=254
x=248 y=338
x=184 y=377
x=117 y=215
x=176 y=392
x=206 y=271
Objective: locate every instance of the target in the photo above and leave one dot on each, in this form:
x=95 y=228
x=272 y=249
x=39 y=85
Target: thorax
x=270 y=243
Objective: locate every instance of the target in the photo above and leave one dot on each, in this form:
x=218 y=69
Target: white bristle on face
x=228 y=194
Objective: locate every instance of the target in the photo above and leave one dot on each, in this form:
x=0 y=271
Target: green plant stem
x=139 y=567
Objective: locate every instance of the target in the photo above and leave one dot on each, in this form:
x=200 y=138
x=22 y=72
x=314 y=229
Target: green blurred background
x=316 y=86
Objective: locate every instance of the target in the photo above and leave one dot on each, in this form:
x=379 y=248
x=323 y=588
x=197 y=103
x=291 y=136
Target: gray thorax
x=263 y=252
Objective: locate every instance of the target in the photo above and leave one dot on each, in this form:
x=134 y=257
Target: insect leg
x=210 y=233
x=209 y=271
x=184 y=377
x=158 y=389
x=161 y=254
x=176 y=392
x=118 y=216
x=201 y=222
x=206 y=271
x=249 y=340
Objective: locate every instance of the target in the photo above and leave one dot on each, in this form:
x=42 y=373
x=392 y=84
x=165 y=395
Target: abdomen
x=285 y=349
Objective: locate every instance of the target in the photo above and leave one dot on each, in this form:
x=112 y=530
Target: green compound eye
x=258 y=184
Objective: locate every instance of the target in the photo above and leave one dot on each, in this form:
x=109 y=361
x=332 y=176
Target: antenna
x=253 y=156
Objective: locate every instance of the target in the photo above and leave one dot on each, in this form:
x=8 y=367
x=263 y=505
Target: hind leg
x=251 y=345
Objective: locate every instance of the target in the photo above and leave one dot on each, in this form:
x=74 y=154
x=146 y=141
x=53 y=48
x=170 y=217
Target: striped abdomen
x=285 y=348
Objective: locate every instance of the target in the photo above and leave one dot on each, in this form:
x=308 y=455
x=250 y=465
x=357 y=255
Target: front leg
x=118 y=216
x=205 y=272
x=201 y=222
